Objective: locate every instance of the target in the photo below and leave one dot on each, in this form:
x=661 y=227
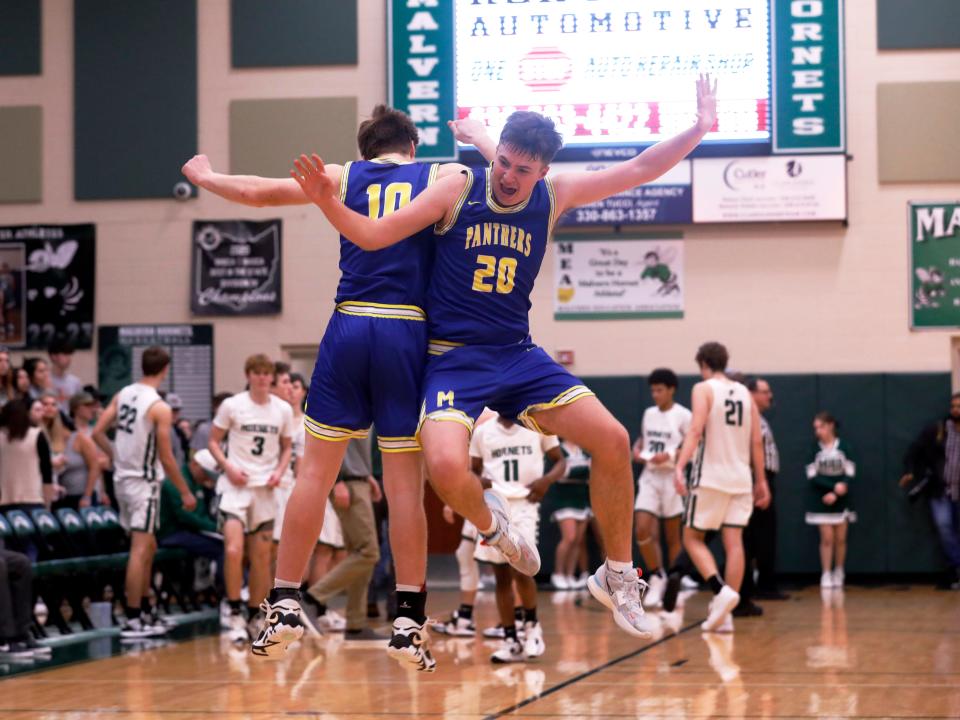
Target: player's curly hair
x=663 y=376
x=388 y=130
x=532 y=134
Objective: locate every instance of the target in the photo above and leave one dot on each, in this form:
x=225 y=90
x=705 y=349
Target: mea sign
x=808 y=76
x=421 y=71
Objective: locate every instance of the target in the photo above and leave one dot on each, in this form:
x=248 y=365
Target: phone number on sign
x=611 y=215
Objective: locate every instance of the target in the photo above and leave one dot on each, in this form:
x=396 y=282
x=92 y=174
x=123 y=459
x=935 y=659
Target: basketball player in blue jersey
x=493 y=226
x=369 y=369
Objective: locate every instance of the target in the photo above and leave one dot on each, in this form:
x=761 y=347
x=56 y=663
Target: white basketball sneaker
x=283 y=625
x=657 y=583
x=620 y=592
x=533 y=646
x=511 y=651
x=722 y=604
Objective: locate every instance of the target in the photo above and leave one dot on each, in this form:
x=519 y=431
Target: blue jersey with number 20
x=487 y=259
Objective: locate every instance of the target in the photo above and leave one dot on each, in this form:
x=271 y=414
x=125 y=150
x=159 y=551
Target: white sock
x=289 y=584
x=619 y=567
x=493 y=526
x=408 y=588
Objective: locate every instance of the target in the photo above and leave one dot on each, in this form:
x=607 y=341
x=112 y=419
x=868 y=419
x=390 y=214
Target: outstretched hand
x=706 y=102
x=312 y=177
x=196 y=168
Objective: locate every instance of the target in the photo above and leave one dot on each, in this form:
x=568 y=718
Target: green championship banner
x=934 y=264
x=809 y=114
x=421 y=71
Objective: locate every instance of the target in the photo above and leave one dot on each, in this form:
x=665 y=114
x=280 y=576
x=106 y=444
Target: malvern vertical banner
x=420 y=76
x=809 y=111
x=934 y=264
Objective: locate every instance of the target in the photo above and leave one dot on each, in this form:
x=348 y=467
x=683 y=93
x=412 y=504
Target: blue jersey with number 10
x=487 y=259
x=396 y=275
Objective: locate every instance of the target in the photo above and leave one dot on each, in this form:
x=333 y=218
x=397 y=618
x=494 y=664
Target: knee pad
x=469 y=572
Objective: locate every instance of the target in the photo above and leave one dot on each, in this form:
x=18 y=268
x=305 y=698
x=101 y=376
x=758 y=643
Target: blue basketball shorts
x=514 y=380
x=369 y=370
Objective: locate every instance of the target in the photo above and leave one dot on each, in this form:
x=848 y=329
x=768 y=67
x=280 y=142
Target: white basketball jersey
x=663 y=432
x=254 y=432
x=297 y=446
x=512 y=457
x=135 y=444
x=723 y=458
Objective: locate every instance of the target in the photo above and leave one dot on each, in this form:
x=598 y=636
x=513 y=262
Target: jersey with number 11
x=723 y=459
x=396 y=275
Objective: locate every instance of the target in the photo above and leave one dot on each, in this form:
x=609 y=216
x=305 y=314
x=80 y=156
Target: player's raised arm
x=473 y=132
x=251 y=190
x=581 y=188
x=428 y=208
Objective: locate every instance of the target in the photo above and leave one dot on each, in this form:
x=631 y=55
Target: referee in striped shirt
x=760 y=537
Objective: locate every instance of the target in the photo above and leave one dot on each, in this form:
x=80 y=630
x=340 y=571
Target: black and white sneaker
x=410 y=645
x=456 y=626
x=282 y=626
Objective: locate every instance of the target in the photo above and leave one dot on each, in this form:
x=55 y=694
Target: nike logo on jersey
x=474 y=202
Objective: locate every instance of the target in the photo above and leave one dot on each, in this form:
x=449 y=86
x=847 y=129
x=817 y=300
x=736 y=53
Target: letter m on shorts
x=445 y=397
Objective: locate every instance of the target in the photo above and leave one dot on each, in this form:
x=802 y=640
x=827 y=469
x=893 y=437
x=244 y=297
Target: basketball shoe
x=282 y=625
x=410 y=645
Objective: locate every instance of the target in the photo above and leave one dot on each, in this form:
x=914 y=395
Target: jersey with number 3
x=487 y=259
x=135 y=444
x=512 y=457
x=253 y=434
x=396 y=275
x=723 y=458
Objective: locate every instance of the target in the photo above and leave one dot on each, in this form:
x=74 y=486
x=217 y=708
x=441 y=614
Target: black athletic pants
x=760 y=546
x=16 y=595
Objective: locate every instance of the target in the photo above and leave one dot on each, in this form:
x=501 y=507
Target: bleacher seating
x=76 y=555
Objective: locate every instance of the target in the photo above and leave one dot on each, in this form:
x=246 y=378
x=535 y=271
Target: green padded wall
x=20 y=37
x=135 y=109
x=918 y=24
x=21 y=141
x=880 y=414
x=290 y=33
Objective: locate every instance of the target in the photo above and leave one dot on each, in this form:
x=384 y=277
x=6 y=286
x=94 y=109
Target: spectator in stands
x=16 y=608
x=7 y=392
x=760 y=537
x=932 y=466
x=62 y=382
x=80 y=473
x=21 y=383
x=39 y=373
x=201 y=434
x=194 y=530
x=180 y=442
x=26 y=472
x=830 y=471
x=55 y=429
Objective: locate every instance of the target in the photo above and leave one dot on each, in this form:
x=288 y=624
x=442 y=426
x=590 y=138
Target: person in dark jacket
x=192 y=530
x=932 y=466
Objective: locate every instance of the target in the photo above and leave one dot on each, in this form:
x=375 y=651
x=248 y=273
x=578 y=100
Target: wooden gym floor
x=864 y=653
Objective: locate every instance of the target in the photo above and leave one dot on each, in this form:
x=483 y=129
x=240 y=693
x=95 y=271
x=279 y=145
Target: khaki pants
x=353 y=574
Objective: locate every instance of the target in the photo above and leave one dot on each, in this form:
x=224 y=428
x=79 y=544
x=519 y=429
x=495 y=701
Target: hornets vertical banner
x=934 y=264
x=421 y=72
x=809 y=113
